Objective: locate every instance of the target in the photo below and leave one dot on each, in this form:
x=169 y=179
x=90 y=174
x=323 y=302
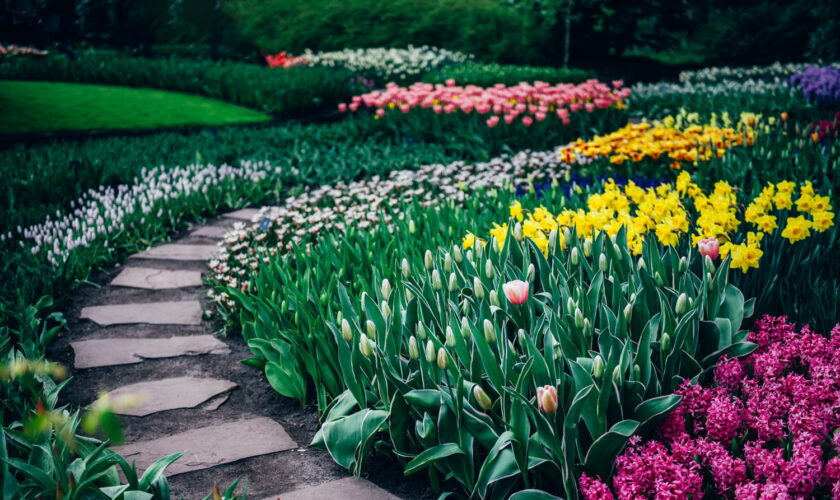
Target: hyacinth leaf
x=599 y=459
x=732 y=351
x=348 y=438
x=432 y=455
x=649 y=413
x=532 y=494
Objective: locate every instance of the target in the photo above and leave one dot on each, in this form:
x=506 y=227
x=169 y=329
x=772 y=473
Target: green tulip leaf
x=432 y=455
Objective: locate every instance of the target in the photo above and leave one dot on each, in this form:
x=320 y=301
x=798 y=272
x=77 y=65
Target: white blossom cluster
x=387 y=62
x=362 y=204
x=758 y=88
x=101 y=214
x=717 y=75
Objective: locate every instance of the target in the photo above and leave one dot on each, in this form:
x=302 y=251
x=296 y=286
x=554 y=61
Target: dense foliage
x=301 y=92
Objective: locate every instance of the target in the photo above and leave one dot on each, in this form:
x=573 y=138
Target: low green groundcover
x=47 y=107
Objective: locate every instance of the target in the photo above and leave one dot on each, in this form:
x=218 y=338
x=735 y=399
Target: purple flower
x=821 y=84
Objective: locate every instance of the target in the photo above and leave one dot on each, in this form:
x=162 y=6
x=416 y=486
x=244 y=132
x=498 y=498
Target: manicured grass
x=48 y=107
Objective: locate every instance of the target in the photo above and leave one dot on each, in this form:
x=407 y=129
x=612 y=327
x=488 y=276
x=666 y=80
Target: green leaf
x=155 y=470
x=533 y=495
x=599 y=459
x=347 y=438
x=432 y=455
x=650 y=412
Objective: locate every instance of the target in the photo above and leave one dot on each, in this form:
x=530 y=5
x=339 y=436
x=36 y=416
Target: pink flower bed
x=524 y=101
x=767 y=429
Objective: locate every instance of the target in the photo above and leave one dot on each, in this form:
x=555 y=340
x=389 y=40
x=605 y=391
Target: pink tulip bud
x=590 y=107
x=342 y=107
x=527 y=121
x=450 y=82
x=617 y=84
x=492 y=121
x=354 y=106
x=709 y=247
x=547 y=398
x=516 y=291
x=380 y=112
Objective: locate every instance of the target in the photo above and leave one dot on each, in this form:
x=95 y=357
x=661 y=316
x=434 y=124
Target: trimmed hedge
x=286 y=92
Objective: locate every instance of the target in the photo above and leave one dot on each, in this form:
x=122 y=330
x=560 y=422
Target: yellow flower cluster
x=681 y=138
x=673 y=210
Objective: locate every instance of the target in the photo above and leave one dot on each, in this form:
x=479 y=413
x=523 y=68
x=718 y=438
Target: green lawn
x=47 y=107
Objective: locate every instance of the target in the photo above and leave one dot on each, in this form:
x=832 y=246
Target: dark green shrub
x=486 y=28
x=293 y=92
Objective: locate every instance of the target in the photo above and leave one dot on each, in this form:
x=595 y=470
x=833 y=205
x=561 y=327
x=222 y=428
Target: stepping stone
x=210 y=446
x=125 y=351
x=187 y=312
x=175 y=251
x=156 y=279
x=246 y=214
x=349 y=488
x=217 y=232
x=171 y=393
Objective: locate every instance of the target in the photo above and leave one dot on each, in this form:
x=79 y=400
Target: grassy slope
x=47 y=107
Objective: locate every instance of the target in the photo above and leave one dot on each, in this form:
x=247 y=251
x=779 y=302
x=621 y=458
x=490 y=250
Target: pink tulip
x=516 y=291
x=354 y=106
x=709 y=247
x=617 y=84
x=590 y=107
x=450 y=82
x=509 y=119
x=380 y=112
x=547 y=398
x=527 y=121
x=540 y=116
x=342 y=107
x=492 y=121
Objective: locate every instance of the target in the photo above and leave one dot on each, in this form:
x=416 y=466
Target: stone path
x=143 y=333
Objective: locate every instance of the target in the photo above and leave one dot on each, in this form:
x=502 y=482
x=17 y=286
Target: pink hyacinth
x=769 y=428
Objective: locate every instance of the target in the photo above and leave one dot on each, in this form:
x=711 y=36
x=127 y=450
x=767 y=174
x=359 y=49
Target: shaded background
x=639 y=40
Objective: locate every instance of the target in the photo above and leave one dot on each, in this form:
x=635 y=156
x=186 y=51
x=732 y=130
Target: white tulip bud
x=430 y=351
x=494 y=298
x=453 y=282
x=406 y=268
x=413 y=350
x=370 y=327
x=478 y=288
x=428 y=260
x=489 y=331
x=346 y=332
x=437 y=284
x=450 y=337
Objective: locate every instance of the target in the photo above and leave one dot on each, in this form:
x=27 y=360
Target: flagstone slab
x=176 y=251
x=211 y=231
x=126 y=351
x=210 y=446
x=187 y=312
x=170 y=393
x=156 y=279
x=349 y=488
x=245 y=214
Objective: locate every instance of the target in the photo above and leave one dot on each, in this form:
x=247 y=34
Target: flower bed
x=765 y=429
x=530 y=102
